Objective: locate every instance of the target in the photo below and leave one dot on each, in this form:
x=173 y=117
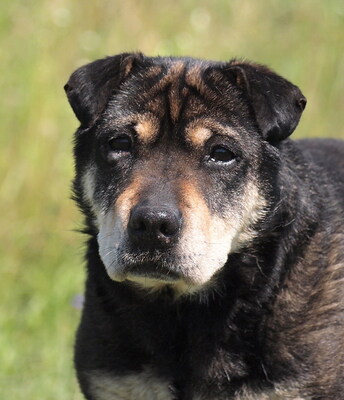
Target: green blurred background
x=41 y=43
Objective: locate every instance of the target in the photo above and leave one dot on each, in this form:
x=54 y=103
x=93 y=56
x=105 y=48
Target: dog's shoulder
x=326 y=153
x=328 y=157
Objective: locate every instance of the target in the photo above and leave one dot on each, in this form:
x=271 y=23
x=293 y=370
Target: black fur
x=273 y=322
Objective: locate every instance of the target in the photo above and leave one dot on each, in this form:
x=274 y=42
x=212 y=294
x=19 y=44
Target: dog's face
x=170 y=160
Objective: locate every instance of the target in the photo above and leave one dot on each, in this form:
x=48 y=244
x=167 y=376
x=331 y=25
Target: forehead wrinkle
x=154 y=105
x=167 y=79
x=194 y=78
x=206 y=84
x=170 y=82
x=175 y=92
x=154 y=71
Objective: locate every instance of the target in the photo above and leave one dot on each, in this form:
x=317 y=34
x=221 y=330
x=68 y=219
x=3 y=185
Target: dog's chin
x=154 y=284
x=154 y=275
x=182 y=272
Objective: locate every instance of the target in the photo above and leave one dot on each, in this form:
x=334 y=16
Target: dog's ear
x=90 y=86
x=277 y=103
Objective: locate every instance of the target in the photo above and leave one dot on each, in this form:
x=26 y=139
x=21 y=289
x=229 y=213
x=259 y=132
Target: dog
x=215 y=253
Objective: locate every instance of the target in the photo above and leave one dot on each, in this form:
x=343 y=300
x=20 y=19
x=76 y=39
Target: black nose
x=154 y=227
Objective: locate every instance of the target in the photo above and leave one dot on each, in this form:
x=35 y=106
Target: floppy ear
x=90 y=86
x=277 y=103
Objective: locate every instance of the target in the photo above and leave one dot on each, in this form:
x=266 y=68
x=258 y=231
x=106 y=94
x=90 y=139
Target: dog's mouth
x=152 y=271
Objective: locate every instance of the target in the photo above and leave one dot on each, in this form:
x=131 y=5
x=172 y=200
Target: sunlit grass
x=41 y=43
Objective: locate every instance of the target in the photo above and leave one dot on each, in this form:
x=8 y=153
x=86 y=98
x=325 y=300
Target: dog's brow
x=147 y=127
x=122 y=120
x=198 y=135
x=199 y=131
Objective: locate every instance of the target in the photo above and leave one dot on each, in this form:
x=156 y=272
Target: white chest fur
x=139 y=386
x=146 y=385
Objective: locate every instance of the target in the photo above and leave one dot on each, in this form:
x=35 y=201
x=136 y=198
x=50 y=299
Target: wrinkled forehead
x=189 y=94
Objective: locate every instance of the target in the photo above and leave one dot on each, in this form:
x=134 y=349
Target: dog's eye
x=120 y=143
x=222 y=154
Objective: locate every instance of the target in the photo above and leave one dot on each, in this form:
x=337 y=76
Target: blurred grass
x=41 y=43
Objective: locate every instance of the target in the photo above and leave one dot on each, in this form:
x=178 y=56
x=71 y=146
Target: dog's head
x=172 y=160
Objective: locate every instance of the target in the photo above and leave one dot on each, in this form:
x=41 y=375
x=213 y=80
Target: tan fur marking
x=207 y=238
x=147 y=127
x=198 y=135
x=174 y=71
x=192 y=199
x=175 y=103
x=127 y=200
x=254 y=209
x=174 y=93
x=154 y=71
x=171 y=78
x=193 y=78
x=200 y=130
x=198 y=235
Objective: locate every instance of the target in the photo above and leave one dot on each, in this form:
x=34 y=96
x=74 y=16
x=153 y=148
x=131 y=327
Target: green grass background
x=41 y=43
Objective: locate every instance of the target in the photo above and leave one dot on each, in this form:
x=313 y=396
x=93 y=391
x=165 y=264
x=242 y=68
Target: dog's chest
x=147 y=385
x=139 y=386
